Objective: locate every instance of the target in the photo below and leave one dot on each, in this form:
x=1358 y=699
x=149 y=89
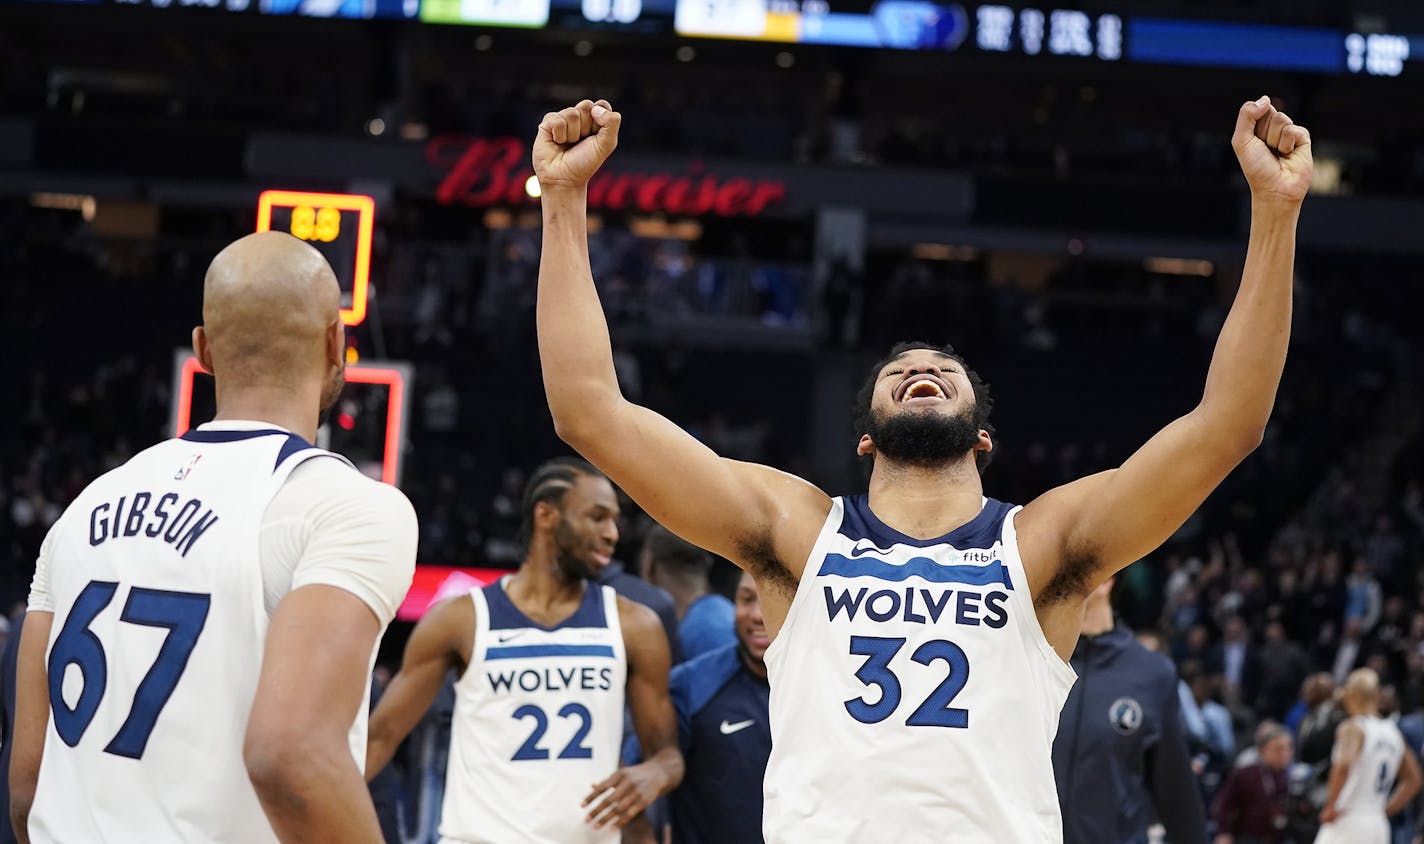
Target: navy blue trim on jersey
x=504 y=615
x=993 y=574
x=197 y=436
x=982 y=531
x=293 y=445
x=522 y=651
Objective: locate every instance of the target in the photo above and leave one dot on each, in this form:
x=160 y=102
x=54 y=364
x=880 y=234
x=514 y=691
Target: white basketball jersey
x=538 y=720
x=1372 y=776
x=914 y=697
x=156 y=644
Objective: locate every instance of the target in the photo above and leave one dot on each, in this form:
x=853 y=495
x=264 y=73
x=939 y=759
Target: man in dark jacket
x=1121 y=757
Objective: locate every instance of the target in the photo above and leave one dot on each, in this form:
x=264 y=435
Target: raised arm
x=1078 y=535
x=631 y=789
x=442 y=641
x=737 y=510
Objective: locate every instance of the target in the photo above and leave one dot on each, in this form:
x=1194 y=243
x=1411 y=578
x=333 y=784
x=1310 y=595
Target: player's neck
x=925 y=503
x=283 y=407
x=541 y=586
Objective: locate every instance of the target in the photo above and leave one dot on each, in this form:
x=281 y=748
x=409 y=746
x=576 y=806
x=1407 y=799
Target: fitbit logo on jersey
x=585 y=678
x=919 y=605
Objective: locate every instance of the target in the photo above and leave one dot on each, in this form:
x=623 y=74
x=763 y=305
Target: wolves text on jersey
x=559 y=678
x=920 y=605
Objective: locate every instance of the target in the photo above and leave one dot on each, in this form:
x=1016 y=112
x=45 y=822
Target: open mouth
x=923 y=387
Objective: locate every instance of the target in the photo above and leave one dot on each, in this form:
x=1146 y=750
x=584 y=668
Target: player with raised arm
x=203 y=619
x=922 y=630
x=1369 y=756
x=545 y=659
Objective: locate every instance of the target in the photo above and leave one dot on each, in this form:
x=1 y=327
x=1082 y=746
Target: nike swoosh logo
x=509 y=637
x=728 y=729
x=857 y=551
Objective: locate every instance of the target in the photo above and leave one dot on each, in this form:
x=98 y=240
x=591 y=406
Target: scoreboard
x=1024 y=31
x=339 y=225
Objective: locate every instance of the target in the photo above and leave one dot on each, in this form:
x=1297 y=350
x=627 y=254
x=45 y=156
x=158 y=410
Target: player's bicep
x=1349 y=742
x=725 y=506
x=31 y=707
x=649 y=662
x=315 y=668
x=441 y=642
x=1113 y=518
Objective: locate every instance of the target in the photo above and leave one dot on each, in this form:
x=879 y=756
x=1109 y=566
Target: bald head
x=1362 y=690
x=268 y=301
x=272 y=320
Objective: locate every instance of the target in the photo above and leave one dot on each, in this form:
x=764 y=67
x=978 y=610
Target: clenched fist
x=1273 y=151
x=572 y=144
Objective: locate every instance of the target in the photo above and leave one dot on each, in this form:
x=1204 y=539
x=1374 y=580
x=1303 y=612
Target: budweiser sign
x=483 y=171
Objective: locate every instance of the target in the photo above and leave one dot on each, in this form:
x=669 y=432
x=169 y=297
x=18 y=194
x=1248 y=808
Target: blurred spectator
x=1253 y=807
x=681 y=568
x=1205 y=718
x=1237 y=662
x=1284 y=666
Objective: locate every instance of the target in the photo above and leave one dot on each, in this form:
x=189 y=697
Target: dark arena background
x=799 y=184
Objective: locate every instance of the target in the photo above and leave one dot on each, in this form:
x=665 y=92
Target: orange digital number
x=320 y=224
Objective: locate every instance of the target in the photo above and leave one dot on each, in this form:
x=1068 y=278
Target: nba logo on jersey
x=182 y=473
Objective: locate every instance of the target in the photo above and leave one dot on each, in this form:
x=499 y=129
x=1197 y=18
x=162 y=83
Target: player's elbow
x=283 y=763
x=584 y=424
x=20 y=802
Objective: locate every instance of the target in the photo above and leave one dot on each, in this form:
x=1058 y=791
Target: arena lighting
x=318 y=217
x=393 y=377
x=944 y=252
x=66 y=202
x=532 y=188
x=1179 y=266
x=656 y=228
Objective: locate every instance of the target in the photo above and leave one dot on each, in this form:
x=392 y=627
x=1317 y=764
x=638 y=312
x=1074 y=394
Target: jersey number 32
x=935 y=711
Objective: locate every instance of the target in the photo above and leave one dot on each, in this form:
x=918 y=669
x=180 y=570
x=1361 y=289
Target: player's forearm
x=574 y=346
x=314 y=795
x=1403 y=794
x=1251 y=351
x=1336 y=783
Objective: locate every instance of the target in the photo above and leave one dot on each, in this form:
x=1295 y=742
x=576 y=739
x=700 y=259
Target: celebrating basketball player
x=156 y=590
x=921 y=631
x=545 y=656
x=1369 y=755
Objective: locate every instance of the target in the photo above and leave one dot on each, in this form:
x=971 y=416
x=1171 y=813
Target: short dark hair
x=983 y=398
x=548 y=483
x=672 y=552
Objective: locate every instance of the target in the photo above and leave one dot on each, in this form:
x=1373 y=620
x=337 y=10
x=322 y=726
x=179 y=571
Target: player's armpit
x=442 y=641
x=315 y=667
x=31 y=718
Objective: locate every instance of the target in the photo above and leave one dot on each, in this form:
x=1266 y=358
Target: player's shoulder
x=636 y=617
x=324 y=482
